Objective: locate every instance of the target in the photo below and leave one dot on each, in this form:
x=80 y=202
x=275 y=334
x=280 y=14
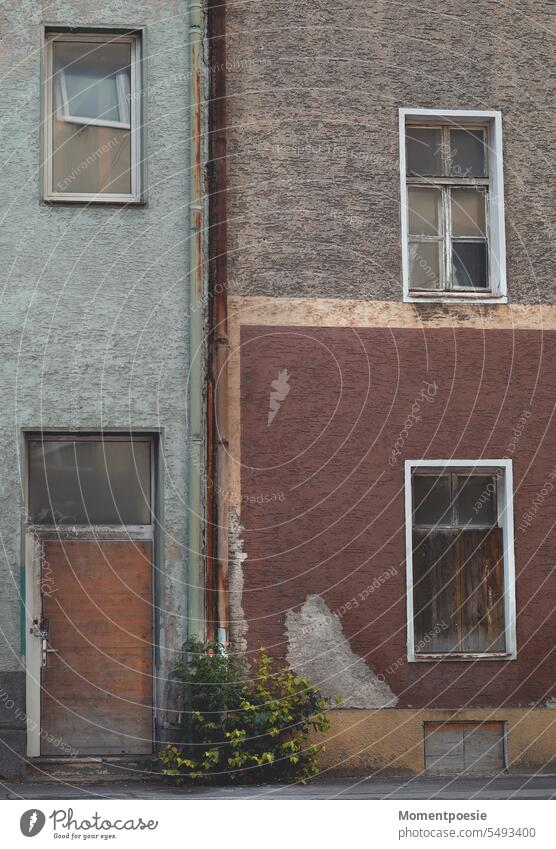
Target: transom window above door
x=90 y=481
x=452 y=210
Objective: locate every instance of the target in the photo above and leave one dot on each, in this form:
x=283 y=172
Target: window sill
x=461 y=658
x=454 y=298
x=94 y=200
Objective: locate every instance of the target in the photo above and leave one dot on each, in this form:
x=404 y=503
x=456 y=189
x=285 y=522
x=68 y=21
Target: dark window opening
x=458 y=562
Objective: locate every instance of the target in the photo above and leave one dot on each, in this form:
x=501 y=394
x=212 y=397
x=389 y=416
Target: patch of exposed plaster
x=319 y=650
x=236 y=555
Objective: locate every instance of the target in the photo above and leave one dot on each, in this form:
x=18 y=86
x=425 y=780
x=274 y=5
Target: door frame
x=36 y=535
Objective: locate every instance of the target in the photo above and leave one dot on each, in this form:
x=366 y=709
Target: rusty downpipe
x=196 y=614
x=217 y=388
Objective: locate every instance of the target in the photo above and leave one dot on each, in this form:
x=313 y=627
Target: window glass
x=469 y=264
x=424 y=265
x=468 y=213
x=91 y=118
x=477 y=500
x=89 y=482
x=93 y=81
x=424 y=211
x=467 y=153
x=423 y=151
x=431 y=500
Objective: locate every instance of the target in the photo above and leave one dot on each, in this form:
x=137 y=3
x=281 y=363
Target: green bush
x=241 y=726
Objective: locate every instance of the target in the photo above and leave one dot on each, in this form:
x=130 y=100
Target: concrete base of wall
x=13 y=760
x=392 y=740
x=13 y=733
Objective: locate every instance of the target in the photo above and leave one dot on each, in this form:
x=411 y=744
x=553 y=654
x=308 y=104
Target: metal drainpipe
x=195 y=570
x=217 y=383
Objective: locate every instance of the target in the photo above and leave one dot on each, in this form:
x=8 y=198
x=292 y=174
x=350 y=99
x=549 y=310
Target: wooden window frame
x=455 y=473
x=505 y=517
x=134 y=38
x=493 y=184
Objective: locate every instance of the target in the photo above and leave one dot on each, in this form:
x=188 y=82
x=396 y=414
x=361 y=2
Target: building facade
x=387 y=398
x=102 y=256
x=332 y=234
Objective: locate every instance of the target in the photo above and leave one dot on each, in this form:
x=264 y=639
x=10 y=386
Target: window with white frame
x=92 y=92
x=452 y=205
x=461 y=601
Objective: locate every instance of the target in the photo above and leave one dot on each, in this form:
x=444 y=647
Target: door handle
x=46 y=649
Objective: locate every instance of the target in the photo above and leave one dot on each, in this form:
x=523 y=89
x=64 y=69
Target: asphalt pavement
x=540 y=786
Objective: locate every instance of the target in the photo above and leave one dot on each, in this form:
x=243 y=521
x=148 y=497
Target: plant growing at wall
x=244 y=726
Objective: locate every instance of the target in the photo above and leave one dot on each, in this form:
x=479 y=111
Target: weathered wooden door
x=89 y=594
x=97 y=679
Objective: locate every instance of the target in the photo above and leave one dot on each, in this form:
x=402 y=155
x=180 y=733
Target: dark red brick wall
x=323 y=508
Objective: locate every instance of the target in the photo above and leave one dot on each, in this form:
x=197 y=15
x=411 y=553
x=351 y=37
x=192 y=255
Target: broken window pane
x=468 y=213
x=105 y=482
x=91 y=124
x=469 y=265
x=467 y=153
x=424 y=211
x=432 y=500
x=424 y=151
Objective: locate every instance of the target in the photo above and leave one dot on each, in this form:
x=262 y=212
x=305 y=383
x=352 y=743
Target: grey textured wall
x=94 y=301
x=315 y=90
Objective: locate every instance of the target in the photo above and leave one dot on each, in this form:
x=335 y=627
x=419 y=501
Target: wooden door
x=96 y=689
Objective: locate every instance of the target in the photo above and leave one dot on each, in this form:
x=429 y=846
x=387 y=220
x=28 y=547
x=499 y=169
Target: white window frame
x=50 y=109
x=497 y=291
x=506 y=513
x=124 y=103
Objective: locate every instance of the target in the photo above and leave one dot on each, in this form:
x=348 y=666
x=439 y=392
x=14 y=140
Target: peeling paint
x=319 y=650
x=237 y=622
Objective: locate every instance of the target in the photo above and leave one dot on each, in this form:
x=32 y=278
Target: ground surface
x=500 y=787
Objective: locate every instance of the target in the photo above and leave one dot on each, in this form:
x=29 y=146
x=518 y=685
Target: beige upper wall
x=314 y=92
